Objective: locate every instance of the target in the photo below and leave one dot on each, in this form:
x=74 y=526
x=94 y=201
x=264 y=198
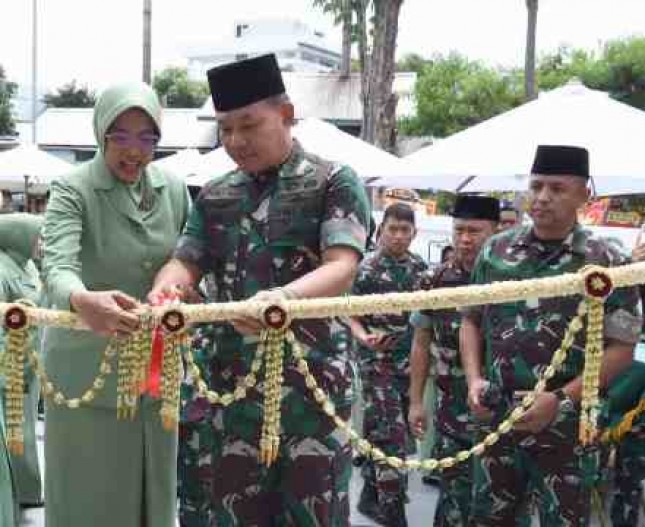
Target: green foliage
x=454 y=93
x=70 y=96
x=412 y=62
x=445 y=202
x=624 y=70
x=7 y=91
x=176 y=90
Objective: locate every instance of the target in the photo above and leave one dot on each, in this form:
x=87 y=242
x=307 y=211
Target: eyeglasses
x=144 y=142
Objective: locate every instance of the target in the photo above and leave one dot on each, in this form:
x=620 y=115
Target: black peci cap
x=239 y=84
x=473 y=207
x=555 y=160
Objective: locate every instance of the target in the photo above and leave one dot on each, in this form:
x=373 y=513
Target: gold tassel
x=127 y=388
x=273 y=342
x=16 y=341
x=598 y=286
x=171 y=378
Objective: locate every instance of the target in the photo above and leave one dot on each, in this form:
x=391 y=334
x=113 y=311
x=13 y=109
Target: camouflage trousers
x=548 y=466
x=384 y=425
x=222 y=484
x=627 y=498
x=455 y=496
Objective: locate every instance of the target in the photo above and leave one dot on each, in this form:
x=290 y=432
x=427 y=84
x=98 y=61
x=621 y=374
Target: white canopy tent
x=322 y=139
x=497 y=154
x=28 y=169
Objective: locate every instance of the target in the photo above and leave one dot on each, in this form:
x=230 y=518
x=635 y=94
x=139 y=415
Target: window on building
x=239 y=29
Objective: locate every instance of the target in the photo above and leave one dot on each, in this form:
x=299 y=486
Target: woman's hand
x=107 y=313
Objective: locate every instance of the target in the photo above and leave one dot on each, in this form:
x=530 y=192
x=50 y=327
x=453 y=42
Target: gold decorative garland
x=443 y=298
x=134 y=355
x=616 y=433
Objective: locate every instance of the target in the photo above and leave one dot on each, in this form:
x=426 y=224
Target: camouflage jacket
x=248 y=235
x=520 y=337
x=381 y=273
x=452 y=415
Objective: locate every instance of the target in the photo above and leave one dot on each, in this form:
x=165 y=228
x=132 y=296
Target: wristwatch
x=565 y=403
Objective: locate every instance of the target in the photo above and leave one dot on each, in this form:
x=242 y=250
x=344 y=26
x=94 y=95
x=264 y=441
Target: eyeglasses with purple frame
x=145 y=142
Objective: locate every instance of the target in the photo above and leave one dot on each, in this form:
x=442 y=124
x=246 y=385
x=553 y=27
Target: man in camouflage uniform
x=436 y=348
x=541 y=455
x=285 y=224
x=626 y=496
x=627 y=500
x=383 y=354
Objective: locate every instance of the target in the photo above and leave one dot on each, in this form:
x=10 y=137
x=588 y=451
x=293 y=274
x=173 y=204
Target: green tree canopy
x=453 y=93
x=176 y=90
x=7 y=91
x=70 y=96
x=412 y=62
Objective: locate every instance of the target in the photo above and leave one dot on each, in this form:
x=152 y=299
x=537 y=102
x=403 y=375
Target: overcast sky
x=97 y=42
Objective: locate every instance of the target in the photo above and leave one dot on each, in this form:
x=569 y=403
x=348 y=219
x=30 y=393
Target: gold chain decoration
x=225 y=399
x=367 y=449
x=617 y=432
x=134 y=359
x=58 y=398
x=273 y=340
x=598 y=286
x=16 y=323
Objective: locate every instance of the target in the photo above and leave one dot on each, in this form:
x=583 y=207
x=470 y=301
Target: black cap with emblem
x=239 y=84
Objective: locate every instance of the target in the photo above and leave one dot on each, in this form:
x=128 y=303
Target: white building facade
x=297 y=46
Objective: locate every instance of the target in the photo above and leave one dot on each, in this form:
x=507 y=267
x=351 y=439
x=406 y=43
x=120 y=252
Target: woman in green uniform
x=110 y=226
x=19 y=280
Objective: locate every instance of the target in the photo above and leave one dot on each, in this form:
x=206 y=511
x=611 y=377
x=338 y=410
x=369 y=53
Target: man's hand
x=186 y=294
x=107 y=313
x=540 y=415
x=248 y=325
x=377 y=341
x=475 y=389
x=417 y=419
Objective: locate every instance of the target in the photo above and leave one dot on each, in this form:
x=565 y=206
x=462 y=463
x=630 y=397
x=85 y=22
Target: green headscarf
x=119 y=98
x=18 y=234
x=112 y=103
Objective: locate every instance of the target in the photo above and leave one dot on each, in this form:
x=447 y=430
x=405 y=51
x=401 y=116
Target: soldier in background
x=509 y=217
x=435 y=353
x=507 y=346
x=383 y=353
x=285 y=224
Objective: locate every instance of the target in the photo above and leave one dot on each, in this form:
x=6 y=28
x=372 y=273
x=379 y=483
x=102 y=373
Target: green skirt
x=8 y=508
x=105 y=472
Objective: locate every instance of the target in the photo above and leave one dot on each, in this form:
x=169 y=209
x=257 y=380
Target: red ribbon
x=152 y=383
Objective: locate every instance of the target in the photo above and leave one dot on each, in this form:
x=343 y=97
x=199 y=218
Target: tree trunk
x=346 y=56
x=530 y=91
x=380 y=108
x=363 y=59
